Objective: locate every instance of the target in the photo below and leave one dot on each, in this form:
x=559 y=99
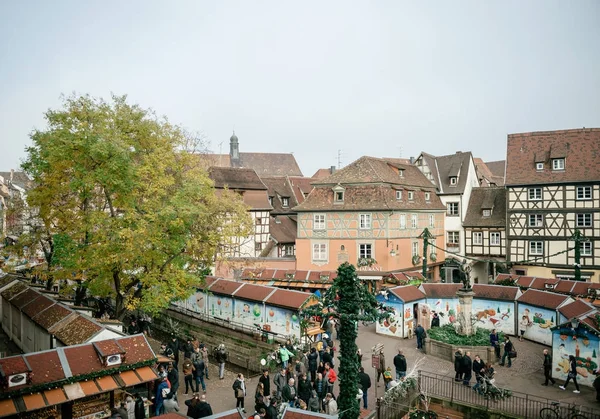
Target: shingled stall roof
x=405 y=276
x=496 y=292
x=563 y=286
x=543 y=299
x=253 y=292
x=62 y=374
x=289 y=299
x=49 y=318
x=13 y=290
x=486 y=198
x=22 y=299
x=78 y=330
x=579 y=147
x=408 y=293
x=6 y=279
x=440 y=290
x=41 y=304
x=576 y=308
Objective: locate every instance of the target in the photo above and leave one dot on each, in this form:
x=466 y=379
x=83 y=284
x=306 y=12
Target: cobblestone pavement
x=525 y=376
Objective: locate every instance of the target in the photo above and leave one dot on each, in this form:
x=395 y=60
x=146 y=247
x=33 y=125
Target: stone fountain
x=465 y=301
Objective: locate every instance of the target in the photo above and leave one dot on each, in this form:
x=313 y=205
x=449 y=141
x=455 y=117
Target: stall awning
x=89 y=387
x=56 y=396
x=107 y=383
x=146 y=374
x=34 y=401
x=7 y=407
x=129 y=378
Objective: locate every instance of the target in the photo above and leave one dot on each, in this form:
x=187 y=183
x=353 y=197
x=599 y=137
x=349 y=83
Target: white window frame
x=534 y=194
x=453 y=180
x=285 y=202
x=587 y=249
x=477 y=238
x=535 y=220
x=536 y=248
x=584 y=193
x=431 y=220
x=558 y=164
x=338 y=196
x=495 y=238
x=539 y=166
x=415 y=249
x=319 y=222
x=453 y=235
x=320 y=252
x=398 y=195
x=487 y=212
x=365 y=250
x=427 y=196
x=364 y=221
x=584 y=220
x=400 y=172
x=414 y=221
x=411 y=195
x=450 y=206
x=403 y=221
x=292 y=249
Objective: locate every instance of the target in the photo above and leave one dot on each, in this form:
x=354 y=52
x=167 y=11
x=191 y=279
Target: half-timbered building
x=485 y=231
x=370 y=213
x=553 y=189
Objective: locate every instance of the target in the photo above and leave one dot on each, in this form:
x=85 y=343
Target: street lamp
x=574 y=322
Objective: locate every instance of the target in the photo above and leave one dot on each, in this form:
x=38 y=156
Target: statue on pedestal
x=466 y=269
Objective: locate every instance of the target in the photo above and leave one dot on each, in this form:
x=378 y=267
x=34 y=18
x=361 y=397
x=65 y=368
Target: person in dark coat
x=508 y=348
x=140 y=409
x=548 y=368
x=174 y=346
x=365 y=382
x=272 y=409
x=458 y=356
x=173 y=376
x=203 y=408
x=596 y=385
x=304 y=388
x=478 y=367
x=467 y=365
x=572 y=375
x=188 y=348
x=313 y=363
x=327 y=358
x=400 y=364
x=381 y=368
x=266 y=381
x=435 y=322
x=420 y=333
x=495 y=342
x=289 y=393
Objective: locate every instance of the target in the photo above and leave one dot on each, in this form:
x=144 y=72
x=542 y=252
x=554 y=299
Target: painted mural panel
x=581 y=343
x=195 y=302
x=493 y=314
x=282 y=321
x=539 y=321
x=248 y=313
x=392 y=326
x=446 y=308
x=220 y=307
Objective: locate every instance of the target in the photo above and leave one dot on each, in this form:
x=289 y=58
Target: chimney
x=412 y=160
x=332 y=170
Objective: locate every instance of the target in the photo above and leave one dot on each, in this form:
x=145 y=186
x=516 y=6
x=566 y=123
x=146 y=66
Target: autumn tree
x=137 y=216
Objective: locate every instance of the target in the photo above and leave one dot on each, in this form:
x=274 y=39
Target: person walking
x=313 y=362
x=458 y=355
x=314 y=404
x=280 y=381
x=289 y=393
x=198 y=370
x=495 y=342
x=304 y=388
x=435 y=322
x=548 y=368
x=467 y=365
x=479 y=370
x=365 y=382
x=572 y=375
x=239 y=391
x=266 y=382
x=330 y=377
x=331 y=407
x=400 y=364
x=523 y=327
x=221 y=358
x=421 y=335
x=173 y=376
x=381 y=368
x=508 y=348
x=204 y=352
x=285 y=354
x=188 y=375
x=320 y=386
x=188 y=348
x=174 y=347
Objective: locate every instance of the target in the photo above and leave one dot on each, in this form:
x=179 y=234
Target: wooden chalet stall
x=272 y=311
x=81 y=381
x=404 y=302
x=494 y=307
x=541 y=310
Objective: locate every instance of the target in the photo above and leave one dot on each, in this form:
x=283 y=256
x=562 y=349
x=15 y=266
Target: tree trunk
x=119 y=304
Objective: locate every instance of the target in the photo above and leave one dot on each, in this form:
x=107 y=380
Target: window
x=398 y=195
x=478 y=238
x=584 y=192
x=365 y=221
x=289 y=250
x=495 y=239
x=539 y=166
x=415 y=248
x=271 y=201
x=427 y=196
x=411 y=195
x=258 y=247
x=431 y=220
x=452 y=208
x=414 y=221
x=536 y=220
x=584 y=220
x=535 y=194
x=339 y=196
x=401 y=172
x=520 y=272
x=536 y=248
x=487 y=212
x=558 y=164
x=319 y=252
x=259 y=221
x=285 y=202
x=402 y=221
x=319 y=222
x=586 y=249
x=453 y=238
x=365 y=251
x=453 y=181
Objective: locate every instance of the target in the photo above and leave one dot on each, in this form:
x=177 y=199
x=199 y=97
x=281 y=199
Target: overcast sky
x=380 y=78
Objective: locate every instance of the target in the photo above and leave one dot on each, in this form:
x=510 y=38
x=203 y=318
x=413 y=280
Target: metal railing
x=520 y=405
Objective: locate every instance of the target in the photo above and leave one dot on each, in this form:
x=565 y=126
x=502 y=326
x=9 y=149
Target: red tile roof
x=24 y=298
x=224 y=287
x=41 y=304
x=495 y=292
x=46 y=367
x=136 y=349
x=441 y=290
x=236 y=178
x=289 y=299
x=576 y=309
x=13 y=365
x=52 y=316
x=108 y=347
x=579 y=147
x=283 y=229
x=543 y=299
x=83 y=359
x=253 y=292
x=76 y=331
x=408 y=293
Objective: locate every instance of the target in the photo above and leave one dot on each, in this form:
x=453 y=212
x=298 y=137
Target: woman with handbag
x=509 y=352
x=572 y=375
x=239 y=391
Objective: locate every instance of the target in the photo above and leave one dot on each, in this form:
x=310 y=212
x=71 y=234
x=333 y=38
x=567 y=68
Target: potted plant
x=366 y=262
x=416 y=259
x=433 y=257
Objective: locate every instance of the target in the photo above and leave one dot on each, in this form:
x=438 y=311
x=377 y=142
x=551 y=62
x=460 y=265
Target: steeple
x=234 y=151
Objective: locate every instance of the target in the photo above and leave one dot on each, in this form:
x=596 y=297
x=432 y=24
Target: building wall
x=342 y=237
x=228 y=268
x=485 y=248
x=585 y=348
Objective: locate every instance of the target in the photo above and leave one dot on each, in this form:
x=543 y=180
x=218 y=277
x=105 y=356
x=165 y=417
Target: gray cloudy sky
x=383 y=78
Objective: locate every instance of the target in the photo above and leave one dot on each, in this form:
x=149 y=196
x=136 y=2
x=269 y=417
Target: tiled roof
x=228 y=414
x=83 y=359
x=7 y=279
x=137 y=349
x=452 y=165
x=52 y=316
x=407 y=275
x=257 y=200
x=283 y=229
x=279 y=188
x=265 y=164
x=13 y=290
x=108 y=347
x=288 y=299
x=408 y=293
x=293 y=413
x=46 y=367
x=18 y=178
x=76 y=331
x=41 y=304
x=370 y=197
x=285 y=273
x=224 y=287
x=564 y=286
x=496 y=292
x=301 y=186
x=236 y=178
x=13 y=365
x=543 y=299
x=579 y=147
x=24 y=298
x=482 y=198
x=497 y=167
x=253 y=292
x=440 y=290
x=576 y=308
x=322 y=174
x=485 y=175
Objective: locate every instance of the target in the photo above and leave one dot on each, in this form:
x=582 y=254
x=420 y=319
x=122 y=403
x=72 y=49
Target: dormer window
x=558 y=164
x=338 y=194
x=399 y=195
x=453 y=180
x=289 y=276
x=285 y=202
x=487 y=212
x=427 y=196
x=110 y=352
x=539 y=166
x=17 y=373
x=401 y=172
x=411 y=195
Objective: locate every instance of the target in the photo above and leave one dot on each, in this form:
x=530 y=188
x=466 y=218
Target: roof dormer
x=110 y=352
x=15 y=373
x=338 y=194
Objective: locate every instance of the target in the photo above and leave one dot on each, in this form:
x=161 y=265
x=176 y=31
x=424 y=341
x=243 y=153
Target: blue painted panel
x=585 y=346
x=540 y=320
